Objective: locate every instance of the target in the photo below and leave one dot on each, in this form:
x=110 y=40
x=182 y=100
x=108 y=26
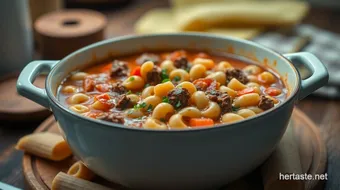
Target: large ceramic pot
x=177 y=159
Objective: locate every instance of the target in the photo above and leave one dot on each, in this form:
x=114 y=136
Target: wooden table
x=324 y=112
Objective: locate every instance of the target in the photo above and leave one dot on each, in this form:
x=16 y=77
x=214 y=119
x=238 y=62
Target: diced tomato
x=89 y=84
x=105 y=100
x=201 y=122
x=245 y=91
x=203 y=55
x=206 y=83
x=272 y=91
x=92 y=114
x=107 y=68
x=103 y=87
x=177 y=54
x=103 y=96
x=213 y=86
x=135 y=72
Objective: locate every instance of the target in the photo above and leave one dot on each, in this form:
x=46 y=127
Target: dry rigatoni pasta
x=45 y=145
x=63 y=181
x=79 y=170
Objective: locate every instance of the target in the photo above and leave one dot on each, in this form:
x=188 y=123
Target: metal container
x=16 y=47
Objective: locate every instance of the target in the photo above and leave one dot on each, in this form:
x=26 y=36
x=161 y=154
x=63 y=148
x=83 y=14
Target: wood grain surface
x=39 y=172
x=325 y=113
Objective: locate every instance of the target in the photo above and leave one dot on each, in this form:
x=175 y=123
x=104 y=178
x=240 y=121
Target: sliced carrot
x=201 y=122
x=245 y=91
x=177 y=54
x=135 y=72
x=203 y=55
x=107 y=68
x=103 y=87
x=272 y=91
x=102 y=97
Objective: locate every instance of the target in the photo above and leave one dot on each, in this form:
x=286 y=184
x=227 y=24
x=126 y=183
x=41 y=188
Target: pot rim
x=292 y=97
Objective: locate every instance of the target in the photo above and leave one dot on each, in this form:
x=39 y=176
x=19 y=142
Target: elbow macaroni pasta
x=152 y=123
x=251 y=99
x=219 y=76
x=213 y=111
x=163 y=111
x=79 y=108
x=162 y=89
x=200 y=100
x=179 y=89
x=182 y=74
x=79 y=76
x=197 y=71
x=145 y=68
x=79 y=98
x=223 y=66
x=134 y=83
x=207 y=63
x=189 y=86
x=168 y=66
x=148 y=91
x=236 y=85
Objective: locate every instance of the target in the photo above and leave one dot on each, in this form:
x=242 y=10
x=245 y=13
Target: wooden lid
x=70 y=23
x=63 y=32
x=15 y=107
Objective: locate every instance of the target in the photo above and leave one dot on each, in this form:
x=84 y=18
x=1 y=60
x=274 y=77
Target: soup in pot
x=172 y=90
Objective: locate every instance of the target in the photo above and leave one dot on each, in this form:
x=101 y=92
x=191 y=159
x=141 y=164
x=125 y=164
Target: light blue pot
x=177 y=159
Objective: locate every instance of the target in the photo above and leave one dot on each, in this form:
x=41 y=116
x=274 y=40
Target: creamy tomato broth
x=172 y=90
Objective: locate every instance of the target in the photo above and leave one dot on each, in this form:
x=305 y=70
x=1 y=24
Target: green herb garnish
x=129 y=92
x=178 y=105
x=165 y=99
x=177 y=78
x=130 y=112
x=131 y=78
x=165 y=80
x=147 y=85
x=234 y=108
x=164 y=74
x=149 y=109
x=162 y=120
x=140 y=105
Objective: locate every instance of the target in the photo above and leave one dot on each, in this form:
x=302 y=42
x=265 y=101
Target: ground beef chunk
x=154 y=76
x=118 y=88
x=123 y=102
x=266 y=103
x=119 y=69
x=238 y=74
x=222 y=99
x=147 y=57
x=113 y=117
x=179 y=97
x=181 y=63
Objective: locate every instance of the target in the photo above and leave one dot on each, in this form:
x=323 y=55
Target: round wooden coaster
x=39 y=173
x=15 y=107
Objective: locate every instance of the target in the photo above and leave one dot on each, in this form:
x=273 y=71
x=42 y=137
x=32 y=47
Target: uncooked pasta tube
x=45 y=145
x=79 y=170
x=63 y=181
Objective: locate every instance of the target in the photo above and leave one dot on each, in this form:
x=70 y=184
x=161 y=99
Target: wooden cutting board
x=39 y=172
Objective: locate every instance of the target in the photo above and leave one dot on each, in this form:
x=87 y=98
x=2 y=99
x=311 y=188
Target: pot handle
x=26 y=78
x=319 y=73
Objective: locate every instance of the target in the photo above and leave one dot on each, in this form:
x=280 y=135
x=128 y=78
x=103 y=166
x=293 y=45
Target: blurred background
x=39 y=29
